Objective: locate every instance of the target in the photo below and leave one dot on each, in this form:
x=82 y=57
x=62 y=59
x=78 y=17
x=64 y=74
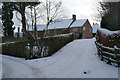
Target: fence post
x=116 y=52
x=27 y=51
x=99 y=51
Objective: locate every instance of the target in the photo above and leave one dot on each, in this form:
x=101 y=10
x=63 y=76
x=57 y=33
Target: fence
x=109 y=54
x=38 y=48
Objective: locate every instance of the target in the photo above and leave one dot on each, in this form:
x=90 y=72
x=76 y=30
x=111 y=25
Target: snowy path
x=14 y=68
x=72 y=61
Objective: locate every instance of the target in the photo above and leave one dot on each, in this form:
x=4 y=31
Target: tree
x=33 y=16
x=0 y=12
x=51 y=11
x=109 y=12
x=20 y=7
x=7 y=16
x=48 y=11
x=1 y=28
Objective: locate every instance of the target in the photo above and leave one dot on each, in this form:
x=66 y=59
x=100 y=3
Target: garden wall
x=38 y=48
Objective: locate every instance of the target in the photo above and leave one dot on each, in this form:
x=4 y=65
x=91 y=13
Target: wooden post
x=18 y=35
x=27 y=52
x=116 y=52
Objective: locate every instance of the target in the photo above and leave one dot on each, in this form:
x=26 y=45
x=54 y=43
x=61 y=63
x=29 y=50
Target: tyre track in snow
x=23 y=71
x=6 y=71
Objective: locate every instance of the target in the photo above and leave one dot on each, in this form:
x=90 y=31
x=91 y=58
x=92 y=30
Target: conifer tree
x=7 y=15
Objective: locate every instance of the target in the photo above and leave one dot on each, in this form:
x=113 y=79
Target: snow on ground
x=77 y=59
x=0 y=67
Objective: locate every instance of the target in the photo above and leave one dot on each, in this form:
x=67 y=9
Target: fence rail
x=109 y=54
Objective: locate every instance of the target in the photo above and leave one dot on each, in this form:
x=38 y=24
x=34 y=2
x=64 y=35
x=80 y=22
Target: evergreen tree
x=110 y=15
x=7 y=15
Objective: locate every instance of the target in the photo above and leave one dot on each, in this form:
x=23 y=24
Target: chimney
x=74 y=17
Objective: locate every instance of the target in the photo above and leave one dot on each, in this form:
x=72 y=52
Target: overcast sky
x=83 y=9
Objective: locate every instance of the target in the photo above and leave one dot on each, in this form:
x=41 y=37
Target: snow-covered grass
x=77 y=59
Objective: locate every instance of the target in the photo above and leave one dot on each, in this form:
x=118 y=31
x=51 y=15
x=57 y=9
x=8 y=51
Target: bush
x=109 y=40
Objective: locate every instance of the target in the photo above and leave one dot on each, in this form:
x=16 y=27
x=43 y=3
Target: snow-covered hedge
x=109 y=38
x=39 y=48
x=13 y=48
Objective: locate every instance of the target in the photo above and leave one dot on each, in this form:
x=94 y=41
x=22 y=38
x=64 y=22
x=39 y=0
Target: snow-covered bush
x=109 y=38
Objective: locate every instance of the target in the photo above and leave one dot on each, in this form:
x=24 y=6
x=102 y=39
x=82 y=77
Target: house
x=95 y=27
x=81 y=27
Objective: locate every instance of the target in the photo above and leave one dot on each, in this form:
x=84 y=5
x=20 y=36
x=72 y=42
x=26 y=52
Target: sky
x=83 y=9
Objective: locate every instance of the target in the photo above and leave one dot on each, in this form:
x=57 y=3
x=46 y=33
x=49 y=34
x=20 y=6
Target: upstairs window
x=84 y=28
x=55 y=32
x=63 y=31
x=90 y=30
x=75 y=29
x=48 y=32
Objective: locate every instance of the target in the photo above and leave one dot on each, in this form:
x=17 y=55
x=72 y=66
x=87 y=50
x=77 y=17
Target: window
x=84 y=28
x=48 y=32
x=90 y=30
x=75 y=29
x=63 y=31
x=55 y=32
x=88 y=36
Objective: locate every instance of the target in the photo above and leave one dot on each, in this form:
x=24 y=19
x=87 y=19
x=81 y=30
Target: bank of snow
x=77 y=59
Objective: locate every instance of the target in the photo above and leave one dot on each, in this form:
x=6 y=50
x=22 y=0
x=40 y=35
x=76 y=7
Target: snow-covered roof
x=61 y=24
x=95 y=27
x=39 y=27
x=79 y=23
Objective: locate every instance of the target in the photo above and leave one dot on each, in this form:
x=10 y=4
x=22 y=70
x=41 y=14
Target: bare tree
x=33 y=17
x=21 y=7
x=48 y=11
x=103 y=8
x=52 y=10
x=1 y=28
